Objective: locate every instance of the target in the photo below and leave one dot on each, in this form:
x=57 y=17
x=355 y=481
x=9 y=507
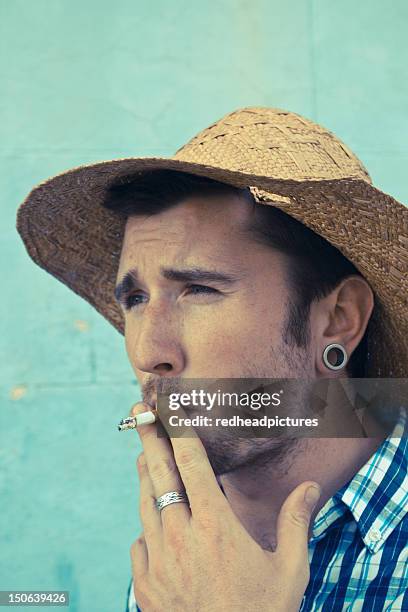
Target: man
x=260 y=250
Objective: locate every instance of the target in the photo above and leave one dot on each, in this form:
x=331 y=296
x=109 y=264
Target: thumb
x=293 y=524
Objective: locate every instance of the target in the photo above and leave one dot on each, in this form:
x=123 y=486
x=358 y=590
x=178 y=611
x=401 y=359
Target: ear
x=341 y=318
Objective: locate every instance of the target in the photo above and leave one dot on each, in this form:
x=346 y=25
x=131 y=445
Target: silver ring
x=172 y=497
x=344 y=357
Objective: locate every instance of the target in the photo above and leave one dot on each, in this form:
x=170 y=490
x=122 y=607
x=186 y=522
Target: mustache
x=152 y=386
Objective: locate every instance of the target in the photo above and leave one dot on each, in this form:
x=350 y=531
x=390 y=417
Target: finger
x=293 y=525
x=149 y=514
x=139 y=558
x=197 y=474
x=163 y=472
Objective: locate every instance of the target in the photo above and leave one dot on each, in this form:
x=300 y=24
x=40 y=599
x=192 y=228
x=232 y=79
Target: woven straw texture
x=288 y=162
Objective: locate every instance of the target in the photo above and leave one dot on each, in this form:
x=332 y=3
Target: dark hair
x=317 y=267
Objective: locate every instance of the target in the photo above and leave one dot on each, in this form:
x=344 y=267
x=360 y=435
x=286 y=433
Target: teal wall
x=86 y=80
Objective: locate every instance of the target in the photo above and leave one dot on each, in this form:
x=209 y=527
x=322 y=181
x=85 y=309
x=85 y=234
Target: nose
x=153 y=341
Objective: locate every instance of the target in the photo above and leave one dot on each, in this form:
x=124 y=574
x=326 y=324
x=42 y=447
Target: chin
x=227 y=454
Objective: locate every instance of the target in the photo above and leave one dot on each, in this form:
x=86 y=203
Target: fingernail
x=312 y=496
x=141 y=460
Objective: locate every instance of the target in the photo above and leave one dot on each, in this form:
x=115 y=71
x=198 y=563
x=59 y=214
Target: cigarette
x=144 y=418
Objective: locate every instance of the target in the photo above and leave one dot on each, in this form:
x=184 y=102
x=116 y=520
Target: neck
x=257 y=494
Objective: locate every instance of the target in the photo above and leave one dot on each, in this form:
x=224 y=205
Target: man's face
x=207 y=301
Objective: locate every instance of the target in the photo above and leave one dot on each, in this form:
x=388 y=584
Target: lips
x=150 y=400
x=150 y=397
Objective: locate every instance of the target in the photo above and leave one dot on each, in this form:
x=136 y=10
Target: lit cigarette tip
x=144 y=418
x=128 y=423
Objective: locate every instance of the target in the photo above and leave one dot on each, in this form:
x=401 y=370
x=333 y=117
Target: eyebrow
x=131 y=279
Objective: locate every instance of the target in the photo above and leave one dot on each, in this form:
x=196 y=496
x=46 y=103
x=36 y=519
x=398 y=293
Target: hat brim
x=67 y=232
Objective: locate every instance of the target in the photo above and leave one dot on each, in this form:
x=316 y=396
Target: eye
x=197 y=289
x=134 y=299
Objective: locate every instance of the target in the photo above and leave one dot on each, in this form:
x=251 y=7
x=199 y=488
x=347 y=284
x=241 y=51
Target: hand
x=202 y=558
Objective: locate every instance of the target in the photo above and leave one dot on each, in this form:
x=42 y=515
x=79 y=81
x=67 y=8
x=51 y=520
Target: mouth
x=150 y=400
x=149 y=397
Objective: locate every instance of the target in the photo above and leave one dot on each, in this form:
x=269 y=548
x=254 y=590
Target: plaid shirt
x=358 y=551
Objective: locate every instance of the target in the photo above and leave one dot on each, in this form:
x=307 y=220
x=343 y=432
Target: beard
x=233 y=448
x=226 y=450
x=255 y=454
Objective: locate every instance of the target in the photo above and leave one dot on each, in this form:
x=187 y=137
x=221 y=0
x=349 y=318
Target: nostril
x=163 y=367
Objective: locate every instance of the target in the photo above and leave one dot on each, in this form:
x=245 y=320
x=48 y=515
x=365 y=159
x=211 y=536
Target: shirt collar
x=377 y=496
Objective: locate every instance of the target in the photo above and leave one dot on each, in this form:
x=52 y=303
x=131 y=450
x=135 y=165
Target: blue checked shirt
x=358 y=551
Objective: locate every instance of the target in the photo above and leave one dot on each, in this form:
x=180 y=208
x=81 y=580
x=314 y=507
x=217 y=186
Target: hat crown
x=273 y=143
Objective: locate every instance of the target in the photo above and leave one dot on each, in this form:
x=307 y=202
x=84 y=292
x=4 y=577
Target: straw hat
x=287 y=161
